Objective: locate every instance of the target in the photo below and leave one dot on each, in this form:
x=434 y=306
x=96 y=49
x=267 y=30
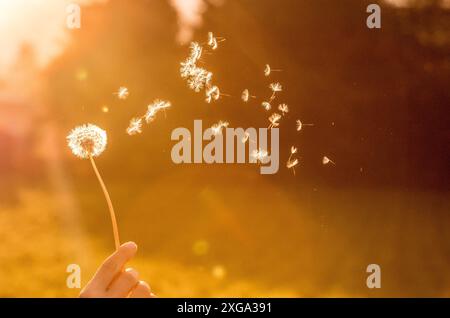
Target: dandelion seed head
x=87 y=140
x=135 y=126
x=299 y=125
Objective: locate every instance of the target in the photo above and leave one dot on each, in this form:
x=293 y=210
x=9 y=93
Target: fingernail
x=133 y=272
x=130 y=245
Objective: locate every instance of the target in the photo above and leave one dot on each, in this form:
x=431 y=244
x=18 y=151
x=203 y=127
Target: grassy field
x=206 y=239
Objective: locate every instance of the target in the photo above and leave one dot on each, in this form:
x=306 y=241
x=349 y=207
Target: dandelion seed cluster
x=135 y=126
x=87 y=141
x=199 y=78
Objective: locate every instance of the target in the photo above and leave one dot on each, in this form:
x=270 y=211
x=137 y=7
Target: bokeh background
x=379 y=100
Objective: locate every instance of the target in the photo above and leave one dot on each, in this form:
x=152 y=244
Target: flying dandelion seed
x=211 y=38
x=268 y=70
x=213 y=42
x=245 y=138
x=122 y=93
x=246 y=95
x=154 y=108
x=293 y=150
x=291 y=164
x=283 y=108
x=300 y=125
x=326 y=161
x=274 y=120
x=276 y=88
x=135 y=127
x=266 y=106
x=196 y=51
x=86 y=142
x=187 y=68
x=199 y=78
x=212 y=93
x=105 y=109
x=259 y=155
x=217 y=128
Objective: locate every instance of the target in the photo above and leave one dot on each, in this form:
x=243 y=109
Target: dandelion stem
x=108 y=201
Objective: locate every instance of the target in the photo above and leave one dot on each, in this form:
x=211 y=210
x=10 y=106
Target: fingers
x=123 y=284
x=113 y=265
x=142 y=290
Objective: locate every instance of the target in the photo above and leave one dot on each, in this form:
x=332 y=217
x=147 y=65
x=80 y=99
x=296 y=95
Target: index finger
x=114 y=264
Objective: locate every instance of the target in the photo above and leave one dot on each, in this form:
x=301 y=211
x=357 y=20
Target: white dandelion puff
x=326 y=161
x=87 y=141
x=300 y=125
x=122 y=93
x=274 y=120
x=135 y=126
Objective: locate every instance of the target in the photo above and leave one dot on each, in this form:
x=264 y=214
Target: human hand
x=112 y=281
